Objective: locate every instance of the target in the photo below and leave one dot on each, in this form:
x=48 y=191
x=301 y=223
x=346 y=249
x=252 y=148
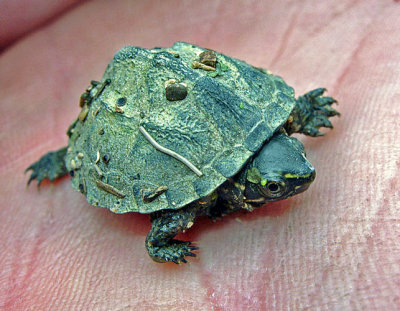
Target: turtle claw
x=316 y=93
x=176 y=251
x=37 y=173
x=322 y=101
x=51 y=166
x=320 y=121
x=311 y=113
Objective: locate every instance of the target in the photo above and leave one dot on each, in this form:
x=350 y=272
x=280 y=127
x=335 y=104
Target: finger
x=20 y=17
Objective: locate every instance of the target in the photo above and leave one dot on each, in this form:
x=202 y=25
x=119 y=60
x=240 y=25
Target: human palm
x=333 y=247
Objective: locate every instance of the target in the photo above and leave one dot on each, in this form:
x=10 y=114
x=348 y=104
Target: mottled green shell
x=227 y=115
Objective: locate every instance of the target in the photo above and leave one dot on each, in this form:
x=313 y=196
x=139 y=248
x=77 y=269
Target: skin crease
x=334 y=247
x=20 y=17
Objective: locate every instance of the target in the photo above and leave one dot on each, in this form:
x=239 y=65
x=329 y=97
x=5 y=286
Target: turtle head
x=278 y=171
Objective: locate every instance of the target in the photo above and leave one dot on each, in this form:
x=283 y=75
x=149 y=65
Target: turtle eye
x=272 y=189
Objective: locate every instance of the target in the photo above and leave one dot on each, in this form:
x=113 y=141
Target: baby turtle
x=184 y=131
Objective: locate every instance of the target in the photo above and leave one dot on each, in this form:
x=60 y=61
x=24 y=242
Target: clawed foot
x=51 y=166
x=175 y=251
x=311 y=112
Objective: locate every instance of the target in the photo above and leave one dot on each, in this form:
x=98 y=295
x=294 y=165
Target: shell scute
x=223 y=120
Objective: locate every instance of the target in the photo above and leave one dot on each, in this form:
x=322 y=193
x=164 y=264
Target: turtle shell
x=217 y=120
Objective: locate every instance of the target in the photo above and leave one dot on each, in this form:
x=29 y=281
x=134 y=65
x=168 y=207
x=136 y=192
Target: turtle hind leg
x=165 y=225
x=311 y=112
x=50 y=166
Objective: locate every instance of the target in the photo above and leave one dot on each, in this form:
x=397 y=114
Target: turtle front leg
x=51 y=166
x=311 y=112
x=230 y=200
x=165 y=225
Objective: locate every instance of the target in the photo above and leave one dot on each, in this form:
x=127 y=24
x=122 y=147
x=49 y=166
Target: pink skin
x=334 y=247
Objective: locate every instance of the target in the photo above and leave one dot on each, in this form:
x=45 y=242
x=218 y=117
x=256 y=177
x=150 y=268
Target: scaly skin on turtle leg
x=51 y=166
x=230 y=199
x=311 y=112
x=165 y=225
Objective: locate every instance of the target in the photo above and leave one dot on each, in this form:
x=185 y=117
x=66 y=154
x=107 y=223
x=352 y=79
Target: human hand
x=335 y=247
